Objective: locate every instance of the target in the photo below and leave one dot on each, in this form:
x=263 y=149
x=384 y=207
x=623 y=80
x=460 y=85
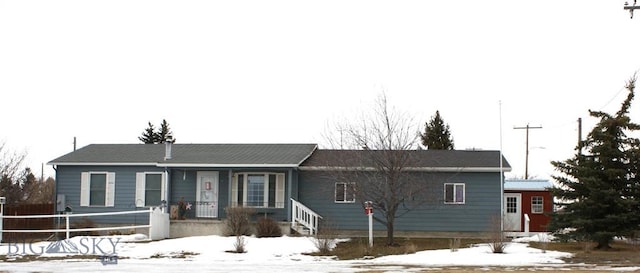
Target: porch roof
x=186 y=155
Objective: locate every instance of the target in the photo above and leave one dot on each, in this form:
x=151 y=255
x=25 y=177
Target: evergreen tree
x=598 y=190
x=149 y=135
x=164 y=131
x=26 y=179
x=436 y=134
x=152 y=136
x=10 y=190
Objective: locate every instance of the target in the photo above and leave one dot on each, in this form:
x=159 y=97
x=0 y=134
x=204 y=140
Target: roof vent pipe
x=167 y=147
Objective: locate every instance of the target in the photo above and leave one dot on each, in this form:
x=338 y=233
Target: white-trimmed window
x=537 y=204
x=454 y=193
x=345 y=192
x=257 y=189
x=97 y=189
x=150 y=189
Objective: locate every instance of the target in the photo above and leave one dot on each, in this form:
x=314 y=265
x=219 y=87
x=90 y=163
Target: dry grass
x=359 y=247
x=620 y=254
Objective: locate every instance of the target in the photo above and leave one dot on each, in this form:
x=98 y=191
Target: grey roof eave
x=204 y=165
x=419 y=169
x=102 y=163
x=179 y=165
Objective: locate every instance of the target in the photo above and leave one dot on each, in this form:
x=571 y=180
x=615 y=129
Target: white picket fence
x=158 y=223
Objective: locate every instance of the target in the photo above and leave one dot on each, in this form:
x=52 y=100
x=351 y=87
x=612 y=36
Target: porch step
x=302 y=230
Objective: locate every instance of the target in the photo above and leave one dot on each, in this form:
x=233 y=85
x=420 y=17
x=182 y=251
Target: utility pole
x=579 y=135
x=526 y=162
x=631 y=8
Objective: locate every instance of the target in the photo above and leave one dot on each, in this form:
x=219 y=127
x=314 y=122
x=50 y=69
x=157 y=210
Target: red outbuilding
x=527 y=204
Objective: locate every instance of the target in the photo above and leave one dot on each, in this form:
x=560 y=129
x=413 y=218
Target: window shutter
x=110 y=191
x=234 y=191
x=265 y=190
x=243 y=181
x=84 y=189
x=140 y=189
x=280 y=190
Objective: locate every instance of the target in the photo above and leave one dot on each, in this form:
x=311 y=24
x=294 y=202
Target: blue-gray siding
x=315 y=189
x=68 y=183
x=182 y=183
x=482 y=204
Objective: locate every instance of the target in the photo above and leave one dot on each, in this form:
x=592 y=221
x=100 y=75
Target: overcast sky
x=280 y=71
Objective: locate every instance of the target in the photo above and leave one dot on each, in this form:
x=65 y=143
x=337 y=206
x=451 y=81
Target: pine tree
x=436 y=134
x=149 y=135
x=11 y=190
x=598 y=190
x=164 y=131
x=152 y=136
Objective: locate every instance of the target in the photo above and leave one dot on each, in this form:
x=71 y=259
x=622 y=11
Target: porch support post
x=230 y=196
x=289 y=185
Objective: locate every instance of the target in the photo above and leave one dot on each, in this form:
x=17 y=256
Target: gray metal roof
x=285 y=155
x=527 y=185
x=443 y=160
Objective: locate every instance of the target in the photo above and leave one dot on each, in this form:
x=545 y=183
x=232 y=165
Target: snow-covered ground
x=282 y=254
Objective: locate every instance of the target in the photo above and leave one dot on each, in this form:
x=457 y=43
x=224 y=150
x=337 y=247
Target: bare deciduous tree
x=11 y=162
x=382 y=151
x=11 y=172
x=40 y=192
x=18 y=184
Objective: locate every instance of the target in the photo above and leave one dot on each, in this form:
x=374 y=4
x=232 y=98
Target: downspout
x=166 y=190
x=168 y=143
x=55 y=189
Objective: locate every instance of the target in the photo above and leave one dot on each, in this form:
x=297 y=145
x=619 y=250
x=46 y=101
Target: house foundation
x=187 y=228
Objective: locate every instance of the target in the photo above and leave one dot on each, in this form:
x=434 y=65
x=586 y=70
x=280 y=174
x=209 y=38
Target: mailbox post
x=368 y=210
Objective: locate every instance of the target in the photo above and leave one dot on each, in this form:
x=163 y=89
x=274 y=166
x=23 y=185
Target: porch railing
x=187 y=209
x=302 y=215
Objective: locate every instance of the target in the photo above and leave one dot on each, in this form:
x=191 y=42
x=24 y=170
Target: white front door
x=207 y=195
x=512 y=212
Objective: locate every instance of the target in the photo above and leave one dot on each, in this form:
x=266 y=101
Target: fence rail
x=71 y=215
x=68 y=228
